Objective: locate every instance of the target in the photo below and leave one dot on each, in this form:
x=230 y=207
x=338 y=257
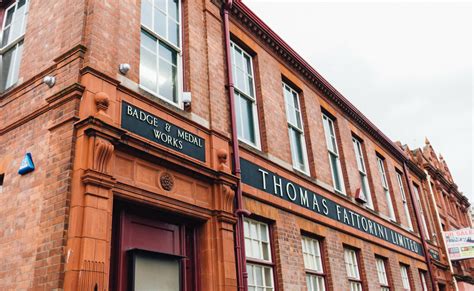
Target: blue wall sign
x=163 y=132
x=271 y=183
x=27 y=165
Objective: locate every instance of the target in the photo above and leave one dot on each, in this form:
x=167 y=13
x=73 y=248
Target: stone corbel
x=225 y=203
x=103 y=150
x=97 y=178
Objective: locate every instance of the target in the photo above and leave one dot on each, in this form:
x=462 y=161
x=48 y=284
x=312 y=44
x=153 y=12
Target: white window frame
x=382 y=274
x=258 y=261
x=305 y=167
x=351 y=261
x=388 y=196
x=422 y=212
x=404 y=200
x=405 y=277
x=179 y=56
x=242 y=94
x=14 y=43
x=424 y=286
x=313 y=263
x=252 y=270
x=364 y=179
x=330 y=134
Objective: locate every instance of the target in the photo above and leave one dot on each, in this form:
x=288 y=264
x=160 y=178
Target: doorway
x=152 y=250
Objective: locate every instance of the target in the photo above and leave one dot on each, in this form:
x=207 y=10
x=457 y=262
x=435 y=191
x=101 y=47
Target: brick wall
x=35 y=206
x=287 y=232
x=39 y=120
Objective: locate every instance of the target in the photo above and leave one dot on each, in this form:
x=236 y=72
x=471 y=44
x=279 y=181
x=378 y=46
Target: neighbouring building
x=184 y=144
x=449 y=210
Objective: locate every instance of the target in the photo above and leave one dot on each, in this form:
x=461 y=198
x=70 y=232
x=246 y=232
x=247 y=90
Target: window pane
x=268 y=277
x=335 y=171
x=266 y=251
x=160 y=4
x=17 y=27
x=240 y=79
x=246 y=107
x=167 y=81
x=297 y=152
x=173 y=9
x=6 y=67
x=16 y=65
x=258 y=276
x=9 y=17
x=238 y=56
x=149 y=273
x=148 y=62
x=263 y=232
x=148 y=41
x=147 y=11
x=238 y=115
x=167 y=73
x=173 y=32
x=5 y=36
x=168 y=54
x=160 y=22
x=250 y=86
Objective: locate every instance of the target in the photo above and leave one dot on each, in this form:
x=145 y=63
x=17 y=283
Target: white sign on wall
x=460 y=243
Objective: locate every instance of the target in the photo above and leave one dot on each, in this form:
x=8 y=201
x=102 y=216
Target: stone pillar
x=90 y=222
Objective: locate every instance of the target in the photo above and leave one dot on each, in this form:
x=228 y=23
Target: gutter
x=420 y=226
x=240 y=212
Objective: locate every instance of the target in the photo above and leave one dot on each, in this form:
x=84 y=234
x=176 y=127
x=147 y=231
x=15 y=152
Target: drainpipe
x=240 y=212
x=420 y=226
x=441 y=228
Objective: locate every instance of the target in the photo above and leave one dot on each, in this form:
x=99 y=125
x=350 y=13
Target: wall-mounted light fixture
x=187 y=99
x=49 y=80
x=124 y=68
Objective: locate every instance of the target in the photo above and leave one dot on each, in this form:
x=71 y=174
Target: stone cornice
x=74 y=91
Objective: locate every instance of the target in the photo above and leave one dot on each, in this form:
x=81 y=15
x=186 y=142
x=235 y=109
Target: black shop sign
x=269 y=182
x=163 y=132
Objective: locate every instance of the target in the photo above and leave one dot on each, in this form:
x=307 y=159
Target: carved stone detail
x=167 y=181
x=222 y=158
x=102 y=154
x=228 y=198
x=102 y=102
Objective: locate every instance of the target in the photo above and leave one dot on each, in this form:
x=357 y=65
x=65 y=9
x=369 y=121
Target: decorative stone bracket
x=103 y=150
x=225 y=203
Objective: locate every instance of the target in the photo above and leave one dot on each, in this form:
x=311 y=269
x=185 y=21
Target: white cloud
x=407 y=66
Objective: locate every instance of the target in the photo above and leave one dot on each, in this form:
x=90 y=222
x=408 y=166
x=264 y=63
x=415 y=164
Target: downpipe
x=240 y=212
x=420 y=227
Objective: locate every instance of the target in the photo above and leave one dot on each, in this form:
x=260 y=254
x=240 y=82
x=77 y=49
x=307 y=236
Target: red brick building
x=267 y=178
x=449 y=209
